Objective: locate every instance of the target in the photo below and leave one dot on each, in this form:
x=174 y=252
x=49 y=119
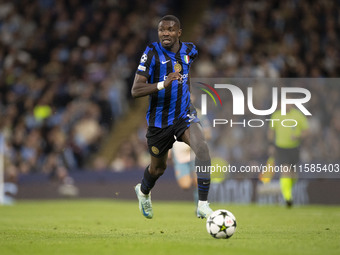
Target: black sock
x=203 y=178
x=148 y=181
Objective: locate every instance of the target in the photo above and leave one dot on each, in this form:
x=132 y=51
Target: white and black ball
x=221 y=224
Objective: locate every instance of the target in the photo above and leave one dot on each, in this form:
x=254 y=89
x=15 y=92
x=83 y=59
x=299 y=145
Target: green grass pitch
x=117 y=227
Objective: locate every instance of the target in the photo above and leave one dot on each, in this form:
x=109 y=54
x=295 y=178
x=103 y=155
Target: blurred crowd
x=66 y=69
x=273 y=39
x=293 y=38
x=243 y=143
x=269 y=39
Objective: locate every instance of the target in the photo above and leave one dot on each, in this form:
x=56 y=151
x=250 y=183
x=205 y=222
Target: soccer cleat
x=289 y=203
x=204 y=211
x=145 y=205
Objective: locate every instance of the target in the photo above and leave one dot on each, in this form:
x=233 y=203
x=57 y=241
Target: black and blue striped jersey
x=173 y=102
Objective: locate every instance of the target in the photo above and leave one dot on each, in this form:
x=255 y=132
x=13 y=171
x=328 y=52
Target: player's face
x=168 y=33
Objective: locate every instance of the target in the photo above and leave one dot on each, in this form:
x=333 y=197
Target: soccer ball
x=221 y=224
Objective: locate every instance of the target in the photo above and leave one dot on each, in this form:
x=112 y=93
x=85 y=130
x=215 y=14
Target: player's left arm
x=193 y=57
x=304 y=134
x=303 y=128
x=189 y=82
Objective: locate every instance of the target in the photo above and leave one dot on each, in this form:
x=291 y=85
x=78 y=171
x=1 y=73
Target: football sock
x=148 y=181
x=287 y=188
x=203 y=178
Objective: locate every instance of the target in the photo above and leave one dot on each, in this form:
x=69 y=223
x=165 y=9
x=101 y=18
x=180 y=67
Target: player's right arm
x=141 y=87
x=147 y=64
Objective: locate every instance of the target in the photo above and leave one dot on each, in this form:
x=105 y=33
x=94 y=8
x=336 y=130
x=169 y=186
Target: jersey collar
x=170 y=52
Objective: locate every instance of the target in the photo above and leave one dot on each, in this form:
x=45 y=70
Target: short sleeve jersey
x=173 y=102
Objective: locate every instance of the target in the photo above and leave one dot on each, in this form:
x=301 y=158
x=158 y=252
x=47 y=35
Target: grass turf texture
x=117 y=227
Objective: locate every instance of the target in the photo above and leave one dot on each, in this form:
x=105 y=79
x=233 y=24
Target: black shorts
x=160 y=140
x=287 y=156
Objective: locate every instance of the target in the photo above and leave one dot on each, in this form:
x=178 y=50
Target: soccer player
x=287 y=142
x=163 y=75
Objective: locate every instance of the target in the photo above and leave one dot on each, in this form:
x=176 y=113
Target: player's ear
x=179 y=32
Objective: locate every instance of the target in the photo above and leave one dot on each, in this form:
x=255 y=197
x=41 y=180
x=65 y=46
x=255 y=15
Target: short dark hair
x=171 y=18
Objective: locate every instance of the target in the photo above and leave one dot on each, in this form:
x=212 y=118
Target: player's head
x=169 y=31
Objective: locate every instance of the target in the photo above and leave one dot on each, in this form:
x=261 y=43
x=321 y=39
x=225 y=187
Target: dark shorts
x=160 y=140
x=287 y=156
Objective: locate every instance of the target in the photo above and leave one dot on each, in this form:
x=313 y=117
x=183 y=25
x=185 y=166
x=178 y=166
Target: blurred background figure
x=287 y=142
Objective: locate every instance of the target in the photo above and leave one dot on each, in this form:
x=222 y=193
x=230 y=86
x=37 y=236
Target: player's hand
x=172 y=77
x=295 y=138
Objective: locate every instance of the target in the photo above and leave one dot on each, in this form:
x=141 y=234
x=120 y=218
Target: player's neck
x=174 y=47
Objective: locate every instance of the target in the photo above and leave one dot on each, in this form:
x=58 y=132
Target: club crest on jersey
x=178 y=67
x=186 y=59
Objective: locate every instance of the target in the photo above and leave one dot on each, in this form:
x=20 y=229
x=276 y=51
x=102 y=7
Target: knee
x=158 y=170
